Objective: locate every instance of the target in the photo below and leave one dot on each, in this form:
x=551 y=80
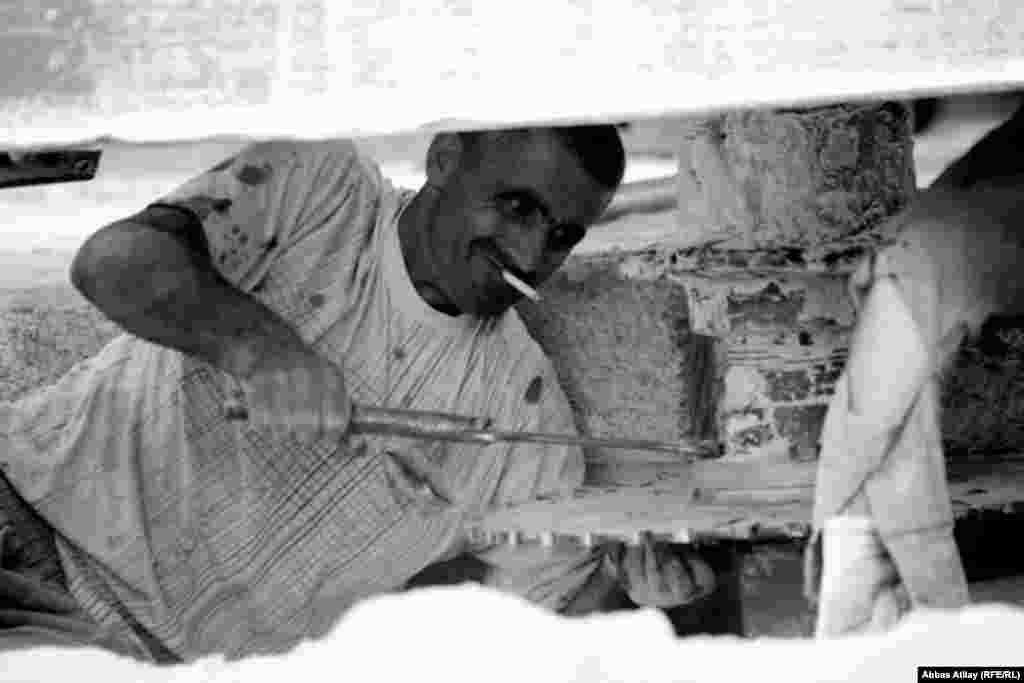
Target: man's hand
x=297 y=393
x=655 y=576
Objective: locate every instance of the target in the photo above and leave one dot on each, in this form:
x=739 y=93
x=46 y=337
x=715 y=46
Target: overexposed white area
x=335 y=68
x=320 y=68
x=471 y=634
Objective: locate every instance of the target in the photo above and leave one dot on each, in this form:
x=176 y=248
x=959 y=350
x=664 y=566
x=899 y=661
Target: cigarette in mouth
x=523 y=288
x=520 y=286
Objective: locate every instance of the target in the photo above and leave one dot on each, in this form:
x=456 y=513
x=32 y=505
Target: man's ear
x=444 y=157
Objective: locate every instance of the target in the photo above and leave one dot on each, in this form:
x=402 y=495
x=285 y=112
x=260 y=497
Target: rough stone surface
x=780 y=398
x=623 y=350
x=769 y=179
x=783 y=342
x=43 y=332
x=787 y=307
x=983 y=392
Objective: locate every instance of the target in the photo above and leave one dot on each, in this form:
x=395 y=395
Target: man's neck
x=413 y=231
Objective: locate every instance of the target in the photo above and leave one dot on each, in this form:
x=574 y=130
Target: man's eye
x=565 y=237
x=517 y=208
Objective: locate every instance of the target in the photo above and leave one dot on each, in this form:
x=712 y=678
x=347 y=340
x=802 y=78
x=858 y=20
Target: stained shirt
x=213 y=538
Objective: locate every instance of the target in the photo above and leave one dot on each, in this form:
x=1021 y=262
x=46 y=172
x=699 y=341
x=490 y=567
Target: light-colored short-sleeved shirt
x=212 y=537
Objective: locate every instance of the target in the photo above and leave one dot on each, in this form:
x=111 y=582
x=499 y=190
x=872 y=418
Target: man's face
x=521 y=201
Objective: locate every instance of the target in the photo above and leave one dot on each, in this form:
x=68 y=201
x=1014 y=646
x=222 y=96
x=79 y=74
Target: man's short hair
x=598 y=148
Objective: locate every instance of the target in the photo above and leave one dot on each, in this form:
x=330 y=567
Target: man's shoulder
x=333 y=172
x=326 y=158
x=294 y=147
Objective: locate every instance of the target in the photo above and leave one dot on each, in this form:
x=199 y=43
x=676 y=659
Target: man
x=297 y=272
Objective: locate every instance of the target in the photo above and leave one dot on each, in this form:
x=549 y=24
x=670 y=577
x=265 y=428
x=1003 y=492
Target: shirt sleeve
x=259 y=203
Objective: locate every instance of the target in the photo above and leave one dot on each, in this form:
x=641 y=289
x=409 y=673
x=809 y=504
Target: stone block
x=624 y=350
x=779 y=178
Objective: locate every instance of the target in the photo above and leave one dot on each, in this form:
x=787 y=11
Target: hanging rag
x=883 y=521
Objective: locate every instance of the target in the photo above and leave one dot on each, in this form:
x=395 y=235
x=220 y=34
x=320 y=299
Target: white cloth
x=954 y=256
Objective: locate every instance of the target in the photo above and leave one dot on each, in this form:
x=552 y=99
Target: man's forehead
x=535 y=147
x=537 y=159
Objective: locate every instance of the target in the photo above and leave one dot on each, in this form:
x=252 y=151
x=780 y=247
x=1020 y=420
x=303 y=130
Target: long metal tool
x=449 y=427
x=418 y=424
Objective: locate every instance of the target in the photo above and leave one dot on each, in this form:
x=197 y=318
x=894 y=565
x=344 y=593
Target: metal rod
x=418 y=424
x=699 y=448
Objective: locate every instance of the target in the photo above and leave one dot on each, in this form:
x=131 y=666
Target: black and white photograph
x=477 y=340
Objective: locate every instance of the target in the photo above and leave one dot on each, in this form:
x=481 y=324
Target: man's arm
x=178 y=274
x=152 y=274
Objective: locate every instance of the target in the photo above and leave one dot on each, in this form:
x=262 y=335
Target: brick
x=624 y=351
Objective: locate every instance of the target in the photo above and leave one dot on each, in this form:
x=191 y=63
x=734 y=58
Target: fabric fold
x=883 y=512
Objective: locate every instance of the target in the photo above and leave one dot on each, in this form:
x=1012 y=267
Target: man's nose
x=524 y=248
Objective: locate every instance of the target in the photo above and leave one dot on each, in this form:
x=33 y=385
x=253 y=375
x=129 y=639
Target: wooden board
x=750 y=501
x=159 y=70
